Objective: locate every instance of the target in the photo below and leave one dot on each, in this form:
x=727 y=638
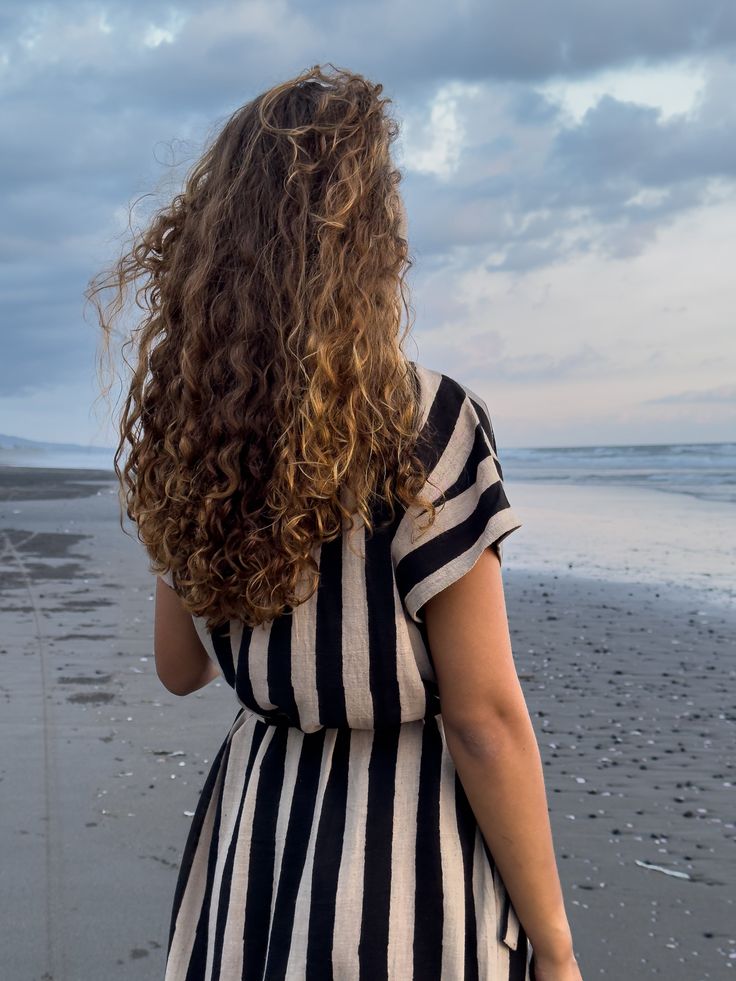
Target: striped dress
x=332 y=838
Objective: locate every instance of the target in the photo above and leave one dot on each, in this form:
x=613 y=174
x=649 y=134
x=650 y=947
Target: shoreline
x=50 y=483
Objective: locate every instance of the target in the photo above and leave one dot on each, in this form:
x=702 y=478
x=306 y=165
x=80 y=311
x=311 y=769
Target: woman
x=326 y=517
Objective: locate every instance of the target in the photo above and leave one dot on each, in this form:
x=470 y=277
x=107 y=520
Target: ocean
x=660 y=513
x=703 y=470
x=18 y=452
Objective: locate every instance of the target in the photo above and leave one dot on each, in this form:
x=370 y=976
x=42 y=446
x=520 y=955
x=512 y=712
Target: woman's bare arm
x=182 y=663
x=493 y=745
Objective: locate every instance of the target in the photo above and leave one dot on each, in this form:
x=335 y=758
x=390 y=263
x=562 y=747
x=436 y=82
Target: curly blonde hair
x=269 y=398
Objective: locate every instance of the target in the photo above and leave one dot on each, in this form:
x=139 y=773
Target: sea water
x=703 y=470
x=662 y=513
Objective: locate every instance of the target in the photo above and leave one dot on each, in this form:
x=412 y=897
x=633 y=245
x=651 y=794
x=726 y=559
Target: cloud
x=583 y=362
x=620 y=144
x=457 y=338
x=723 y=393
x=539 y=185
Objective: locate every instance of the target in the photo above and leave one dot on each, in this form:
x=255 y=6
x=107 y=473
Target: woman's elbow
x=487 y=734
x=174 y=683
x=176 y=679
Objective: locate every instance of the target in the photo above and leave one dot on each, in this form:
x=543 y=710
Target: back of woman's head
x=269 y=397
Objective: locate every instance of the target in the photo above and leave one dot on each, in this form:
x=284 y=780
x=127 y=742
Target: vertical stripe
x=403 y=837
x=414 y=663
x=328 y=642
x=295 y=849
x=303 y=668
x=486 y=920
x=373 y=947
x=280 y=686
x=244 y=754
x=384 y=679
x=243 y=688
x=356 y=657
x=306 y=894
x=222 y=646
x=467 y=824
x=453 y=883
x=350 y=882
x=257 y=667
x=262 y=856
x=414 y=670
x=327 y=863
x=519 y=966
x=294 y=742
x=428 y=902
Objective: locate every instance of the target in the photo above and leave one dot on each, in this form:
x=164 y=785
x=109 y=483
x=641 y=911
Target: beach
x=629 y=679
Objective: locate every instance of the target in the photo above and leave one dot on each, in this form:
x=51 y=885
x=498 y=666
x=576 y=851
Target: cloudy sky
x=570 y=180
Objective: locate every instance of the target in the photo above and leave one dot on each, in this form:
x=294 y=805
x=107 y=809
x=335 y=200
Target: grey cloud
x=540 y=367
x=632 y=144
x=723 y=393
x=610 y=182
x=482 y=356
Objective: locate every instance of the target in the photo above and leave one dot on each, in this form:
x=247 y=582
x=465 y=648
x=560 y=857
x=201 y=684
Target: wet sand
x=630 y=688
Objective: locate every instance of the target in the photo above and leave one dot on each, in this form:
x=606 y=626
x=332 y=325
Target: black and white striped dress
x=332 y=838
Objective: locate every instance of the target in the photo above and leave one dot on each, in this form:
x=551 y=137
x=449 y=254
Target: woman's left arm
x=182 y=663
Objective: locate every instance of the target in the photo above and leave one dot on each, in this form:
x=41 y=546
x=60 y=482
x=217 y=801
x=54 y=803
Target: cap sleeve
x=465 y=481
x=167 y=577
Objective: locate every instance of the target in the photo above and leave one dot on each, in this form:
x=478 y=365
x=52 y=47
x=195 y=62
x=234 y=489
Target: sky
x=569 y=174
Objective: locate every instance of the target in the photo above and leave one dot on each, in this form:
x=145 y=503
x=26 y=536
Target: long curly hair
x=269 y=400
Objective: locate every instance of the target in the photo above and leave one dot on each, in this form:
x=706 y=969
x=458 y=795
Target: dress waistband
x=277 y=717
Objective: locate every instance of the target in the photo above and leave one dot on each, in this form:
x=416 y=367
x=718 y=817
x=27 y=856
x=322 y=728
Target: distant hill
x=17 y=451
x=20 y=442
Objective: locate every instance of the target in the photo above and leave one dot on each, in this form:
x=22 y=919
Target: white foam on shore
x=626 y=534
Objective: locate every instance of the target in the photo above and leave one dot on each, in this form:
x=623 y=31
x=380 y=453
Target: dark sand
x=631 y=690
